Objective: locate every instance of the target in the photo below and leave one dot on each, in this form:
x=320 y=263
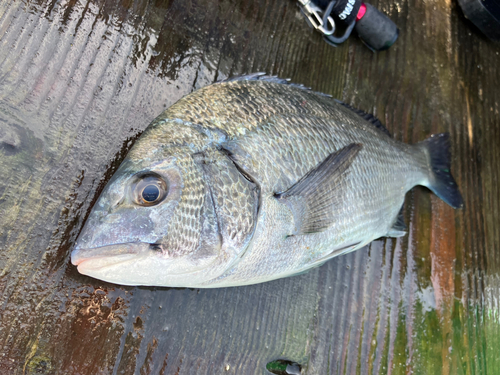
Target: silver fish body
x=251 y=180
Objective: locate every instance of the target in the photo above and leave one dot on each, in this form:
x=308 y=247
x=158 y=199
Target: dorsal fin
x=273 y=79
x=368 y=117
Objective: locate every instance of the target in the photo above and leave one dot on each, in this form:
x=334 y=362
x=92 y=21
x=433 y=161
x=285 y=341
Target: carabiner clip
x=325 y=25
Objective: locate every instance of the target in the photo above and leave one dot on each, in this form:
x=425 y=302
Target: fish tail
x=440 y=181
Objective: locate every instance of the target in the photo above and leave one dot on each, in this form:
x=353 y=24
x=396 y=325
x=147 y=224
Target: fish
x=253 y=179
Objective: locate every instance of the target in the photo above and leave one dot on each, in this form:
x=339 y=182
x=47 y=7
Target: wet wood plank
x=79 y=81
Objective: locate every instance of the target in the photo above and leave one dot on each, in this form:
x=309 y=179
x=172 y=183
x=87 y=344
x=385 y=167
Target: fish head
x=153 y=224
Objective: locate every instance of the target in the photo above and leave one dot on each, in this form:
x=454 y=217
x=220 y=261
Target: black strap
x=345 y=11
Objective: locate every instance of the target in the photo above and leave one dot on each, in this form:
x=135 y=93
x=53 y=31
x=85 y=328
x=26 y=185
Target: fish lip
x=116 y=251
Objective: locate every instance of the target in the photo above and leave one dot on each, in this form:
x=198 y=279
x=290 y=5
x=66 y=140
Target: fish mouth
x=136 y=264
x=104 y=256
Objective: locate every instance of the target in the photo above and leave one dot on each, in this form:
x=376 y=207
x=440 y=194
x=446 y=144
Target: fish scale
x=265 y=179
x=185 y=226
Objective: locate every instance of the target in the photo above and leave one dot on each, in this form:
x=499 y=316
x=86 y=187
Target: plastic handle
x=376 y=29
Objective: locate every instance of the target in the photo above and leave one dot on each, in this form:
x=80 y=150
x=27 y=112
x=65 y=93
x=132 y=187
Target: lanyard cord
x=345 y=15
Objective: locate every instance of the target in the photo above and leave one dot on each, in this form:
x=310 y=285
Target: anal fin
x=399 y=228
x=313 y=198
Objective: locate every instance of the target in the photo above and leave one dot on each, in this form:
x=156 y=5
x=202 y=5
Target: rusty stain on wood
x=80 y=80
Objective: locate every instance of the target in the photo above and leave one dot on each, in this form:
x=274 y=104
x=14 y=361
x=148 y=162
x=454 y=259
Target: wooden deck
x=79 y=80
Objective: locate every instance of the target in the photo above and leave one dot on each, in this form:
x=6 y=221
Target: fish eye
x=150 y=193
x=150 y=190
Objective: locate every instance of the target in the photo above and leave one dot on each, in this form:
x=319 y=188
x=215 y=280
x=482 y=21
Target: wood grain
x=81 y=79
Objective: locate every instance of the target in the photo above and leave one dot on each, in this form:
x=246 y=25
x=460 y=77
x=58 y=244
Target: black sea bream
x=250 y=180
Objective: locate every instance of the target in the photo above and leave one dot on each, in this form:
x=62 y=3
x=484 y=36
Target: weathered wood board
x=80 y=79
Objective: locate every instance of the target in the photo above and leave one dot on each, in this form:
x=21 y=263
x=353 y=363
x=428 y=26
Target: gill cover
x=179 y=221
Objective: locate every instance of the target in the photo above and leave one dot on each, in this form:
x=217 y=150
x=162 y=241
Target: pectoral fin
x=313 y=198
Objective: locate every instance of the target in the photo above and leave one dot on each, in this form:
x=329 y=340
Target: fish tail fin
x=441 y=182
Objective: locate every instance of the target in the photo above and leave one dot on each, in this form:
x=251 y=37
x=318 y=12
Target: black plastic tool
x=485 y=14
x=375 y=29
